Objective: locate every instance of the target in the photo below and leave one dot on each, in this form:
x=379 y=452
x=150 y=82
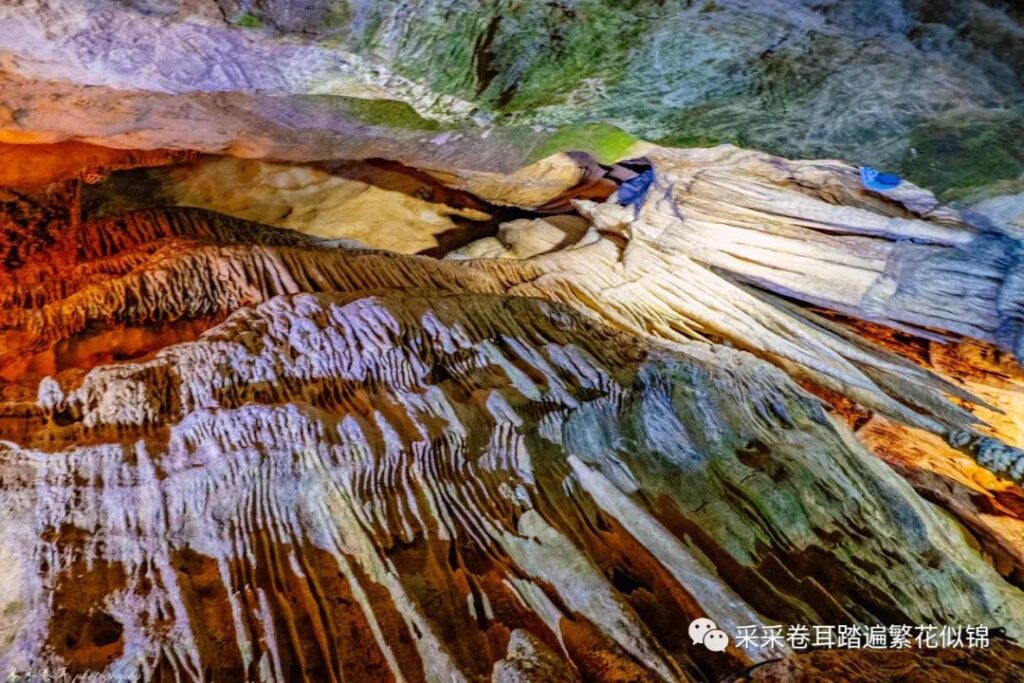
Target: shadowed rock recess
x=444 y=341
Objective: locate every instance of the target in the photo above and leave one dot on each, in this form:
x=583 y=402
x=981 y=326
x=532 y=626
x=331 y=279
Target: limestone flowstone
x=233 y=451
x=428 y=487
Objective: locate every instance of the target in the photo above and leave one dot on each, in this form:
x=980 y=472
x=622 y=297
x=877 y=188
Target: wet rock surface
x=487 y=482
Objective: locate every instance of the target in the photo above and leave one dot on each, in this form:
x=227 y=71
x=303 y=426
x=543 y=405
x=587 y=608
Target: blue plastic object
x=634 y=190
x=873 y=179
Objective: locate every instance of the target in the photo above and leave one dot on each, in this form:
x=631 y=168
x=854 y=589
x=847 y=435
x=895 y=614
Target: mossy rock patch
x=603 y=141
x=959 y=153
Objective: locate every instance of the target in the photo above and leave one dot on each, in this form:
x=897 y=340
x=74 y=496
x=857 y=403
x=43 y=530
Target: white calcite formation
x=368 y=340
x=238 y=452
x=432 y=487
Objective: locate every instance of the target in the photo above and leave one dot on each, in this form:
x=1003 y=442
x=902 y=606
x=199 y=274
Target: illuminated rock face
x=391 y=466
x=338 y=346
x=394 y=484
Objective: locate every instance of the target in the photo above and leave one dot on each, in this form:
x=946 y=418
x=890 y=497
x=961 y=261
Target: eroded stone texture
x=31 y=165
x=991 y=507
x=120 y=271
x=654 y=271
x=375 y=485
x=253 y=125
x=808 y=229
x=364 y=465
x=376 y=206
x=233 y=451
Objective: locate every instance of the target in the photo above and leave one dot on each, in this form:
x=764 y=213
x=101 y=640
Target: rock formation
x=331 y=350
x=931 y=87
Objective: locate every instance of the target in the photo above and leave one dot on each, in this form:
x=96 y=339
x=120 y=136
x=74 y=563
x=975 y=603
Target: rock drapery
x=416 y=431
x=439 y=460
x=335 y=349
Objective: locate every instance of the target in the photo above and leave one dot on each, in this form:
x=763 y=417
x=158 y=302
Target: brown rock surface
x=371 y=204
x=42 y=164
x=346 y=340
x=463 y=465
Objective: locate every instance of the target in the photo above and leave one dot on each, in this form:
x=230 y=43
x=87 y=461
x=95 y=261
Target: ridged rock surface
x=885 y=667
x=801 y=229
x=231 y=451
x=435 y=487
x=362 y=465
x=372 y=340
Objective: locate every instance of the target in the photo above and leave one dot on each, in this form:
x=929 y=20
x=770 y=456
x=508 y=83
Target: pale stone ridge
x=387 y=443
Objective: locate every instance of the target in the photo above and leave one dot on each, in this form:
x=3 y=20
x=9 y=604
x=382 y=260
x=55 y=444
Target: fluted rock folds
x=235 y=451
x=425 y=486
